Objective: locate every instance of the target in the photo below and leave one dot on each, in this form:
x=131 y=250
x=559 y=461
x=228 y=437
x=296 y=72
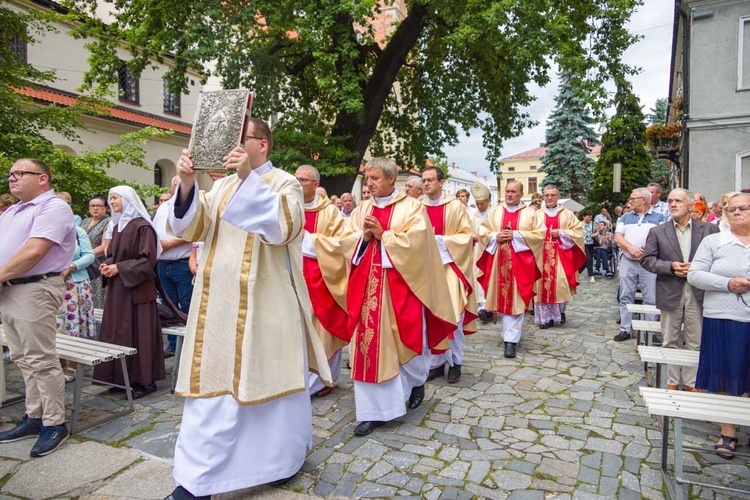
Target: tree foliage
x=623 y=142
x=568 y=138
x=23 y=124
x=658 y=114
x=321 y=67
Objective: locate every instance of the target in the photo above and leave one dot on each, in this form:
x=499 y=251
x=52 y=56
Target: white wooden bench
x=90 y=352
x=704 y=407
x=178 y=331
x=666 y=356
x=643 y=309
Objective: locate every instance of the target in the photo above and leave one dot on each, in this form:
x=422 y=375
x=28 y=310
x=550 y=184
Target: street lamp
x=616 y=177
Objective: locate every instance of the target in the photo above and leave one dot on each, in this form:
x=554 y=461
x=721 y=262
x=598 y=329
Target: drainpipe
x=686 y=30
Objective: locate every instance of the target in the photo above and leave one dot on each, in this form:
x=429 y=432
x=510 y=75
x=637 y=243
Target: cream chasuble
x=457 y=236
x=250 y=312
x=531 y=233
x=327 y=222
x=558 y=283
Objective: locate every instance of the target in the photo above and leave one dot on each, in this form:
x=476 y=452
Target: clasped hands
x=680 y=269
x=372 y=228
x=108 y=270
x=739 y=285
x=504 y=236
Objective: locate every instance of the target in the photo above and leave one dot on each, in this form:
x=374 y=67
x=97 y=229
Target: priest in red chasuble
x=561 y=257
x=398 y=298
x=454 y=236
x=510 y=237
x=325 y=277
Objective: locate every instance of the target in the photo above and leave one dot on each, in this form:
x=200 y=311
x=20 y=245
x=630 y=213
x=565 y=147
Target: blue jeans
x=632 y=277
x=602 y=259
x=177 y=280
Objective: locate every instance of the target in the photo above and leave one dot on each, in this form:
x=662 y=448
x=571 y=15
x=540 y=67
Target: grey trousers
x=633 y=277
x=685 y=322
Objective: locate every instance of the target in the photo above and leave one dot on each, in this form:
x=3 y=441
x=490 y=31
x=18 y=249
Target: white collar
x=513 y=209
x=551 y=211
x=264 y=169
x=435 y=203
x=383 y=201
x=728 y=238
x=313 y=203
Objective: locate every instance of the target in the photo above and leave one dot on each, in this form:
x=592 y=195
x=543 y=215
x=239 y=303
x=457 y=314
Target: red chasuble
x=513 y=269
x=365 y=299
x=329 y=313
x=553 y=255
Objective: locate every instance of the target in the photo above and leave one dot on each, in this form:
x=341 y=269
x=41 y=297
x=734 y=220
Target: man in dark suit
x=669 y=250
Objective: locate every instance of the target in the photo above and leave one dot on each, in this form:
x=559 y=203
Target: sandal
x=725 y=450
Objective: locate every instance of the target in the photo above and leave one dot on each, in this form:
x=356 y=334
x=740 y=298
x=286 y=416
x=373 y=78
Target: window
x=533 y=185
x=511 y=169
x=533 y=167
x=171 y=101
x=743 y=55
x=158 y=181
x=128 y=84
x=742 y=171
x=16 y=44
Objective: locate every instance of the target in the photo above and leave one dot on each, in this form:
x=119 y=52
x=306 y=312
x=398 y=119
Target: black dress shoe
x=141 y=391
x=510 y=350
x=484 y=315
x=416 y=398
x=181 y=493
x=563 y=319
x=548 y=324
x=436 y=372
x=454 y=374
x=365 y=428
x=622 y=336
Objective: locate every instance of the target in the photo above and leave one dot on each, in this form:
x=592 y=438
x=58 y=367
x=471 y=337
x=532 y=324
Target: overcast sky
x=653 y=20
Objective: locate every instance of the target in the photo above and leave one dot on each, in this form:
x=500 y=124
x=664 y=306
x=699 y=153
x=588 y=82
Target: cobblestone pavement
x=563 y=420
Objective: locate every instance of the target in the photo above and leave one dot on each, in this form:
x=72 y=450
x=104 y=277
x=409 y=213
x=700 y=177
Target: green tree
x=568 y=138
x=658 y=114
x=445 y=66
x=623 y=143
x=24 y=123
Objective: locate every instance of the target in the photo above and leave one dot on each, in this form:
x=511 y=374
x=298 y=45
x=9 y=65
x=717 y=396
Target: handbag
x=94 y=272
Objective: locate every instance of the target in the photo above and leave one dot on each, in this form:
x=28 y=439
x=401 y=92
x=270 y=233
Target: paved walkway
x=563 y=420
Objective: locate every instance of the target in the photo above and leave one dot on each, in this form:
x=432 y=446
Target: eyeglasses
x=303 y=179
x=741 y=208
x=637 y=198
x=255 y=137
x=18 y=174
x=740 y=297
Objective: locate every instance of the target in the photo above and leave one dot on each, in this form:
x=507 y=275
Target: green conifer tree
x=569 y=136
x=624 y=143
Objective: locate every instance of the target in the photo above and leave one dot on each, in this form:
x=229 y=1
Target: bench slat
x=642 y=309
x=680 y=357
x=646 y=326
x=697 y=406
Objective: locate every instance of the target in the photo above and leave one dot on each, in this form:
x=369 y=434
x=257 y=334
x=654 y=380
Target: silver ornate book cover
x=219 y=126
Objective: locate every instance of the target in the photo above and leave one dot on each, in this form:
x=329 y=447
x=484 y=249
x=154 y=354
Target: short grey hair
x=549 y=187
x=313 y=171
x=737 y=195
x=387 y=165
x=643 y=193
x=684 y=192
x=656 y=185
x=417 y=180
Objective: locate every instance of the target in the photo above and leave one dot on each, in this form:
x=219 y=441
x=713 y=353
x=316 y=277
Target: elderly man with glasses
x=630 y=235
x=38 y=245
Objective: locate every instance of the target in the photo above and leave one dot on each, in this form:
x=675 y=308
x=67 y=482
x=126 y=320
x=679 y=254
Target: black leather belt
x=186 y=259
x=30 y=279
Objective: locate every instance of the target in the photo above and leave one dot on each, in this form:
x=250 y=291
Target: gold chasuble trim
x=195 y=369
x=242 y=312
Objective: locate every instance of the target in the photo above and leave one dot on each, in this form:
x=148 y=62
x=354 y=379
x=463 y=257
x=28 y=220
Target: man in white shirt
x=658 y=206
x=173 y=263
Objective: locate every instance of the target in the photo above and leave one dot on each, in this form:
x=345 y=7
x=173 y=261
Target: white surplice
x=240 y=427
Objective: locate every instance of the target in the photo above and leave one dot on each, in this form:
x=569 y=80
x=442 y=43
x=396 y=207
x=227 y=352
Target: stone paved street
x=563 y=420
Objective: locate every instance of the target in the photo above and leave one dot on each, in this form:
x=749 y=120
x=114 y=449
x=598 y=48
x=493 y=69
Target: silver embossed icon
x=219 y=126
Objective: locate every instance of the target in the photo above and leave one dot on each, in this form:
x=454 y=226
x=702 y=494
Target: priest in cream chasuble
x=325 y=276
x=247 y=418
x=511 y=236
x=454 y=237
x=561 y=257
